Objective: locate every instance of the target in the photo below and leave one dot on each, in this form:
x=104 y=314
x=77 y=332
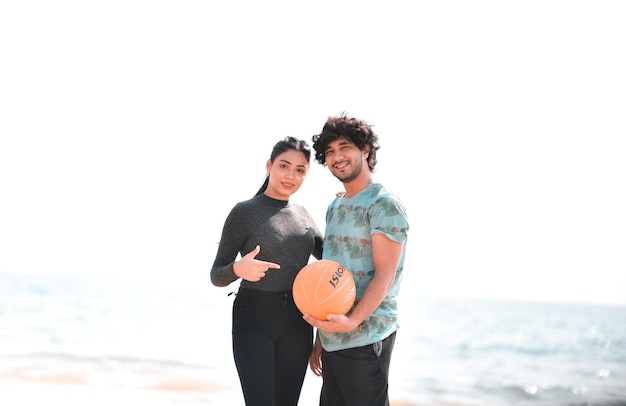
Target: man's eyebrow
x=343 y=141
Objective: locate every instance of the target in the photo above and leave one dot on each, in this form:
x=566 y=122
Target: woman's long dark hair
x=285 y=145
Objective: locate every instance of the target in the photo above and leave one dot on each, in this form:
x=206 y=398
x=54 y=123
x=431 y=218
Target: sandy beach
x=68 y=392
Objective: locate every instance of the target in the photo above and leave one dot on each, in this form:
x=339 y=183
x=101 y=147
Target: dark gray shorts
x=357 y=376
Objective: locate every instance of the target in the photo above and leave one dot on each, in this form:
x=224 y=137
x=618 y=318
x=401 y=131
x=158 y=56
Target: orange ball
x=324 y=287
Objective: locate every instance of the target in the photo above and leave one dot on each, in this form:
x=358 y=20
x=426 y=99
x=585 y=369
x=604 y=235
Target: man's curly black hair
x=357 y=131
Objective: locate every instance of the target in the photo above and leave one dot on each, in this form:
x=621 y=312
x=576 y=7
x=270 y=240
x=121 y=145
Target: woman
x=275 y=239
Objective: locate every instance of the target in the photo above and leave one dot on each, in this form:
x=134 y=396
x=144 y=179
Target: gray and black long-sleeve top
x=286 y=233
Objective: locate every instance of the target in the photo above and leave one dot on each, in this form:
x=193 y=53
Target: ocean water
x=87 y=341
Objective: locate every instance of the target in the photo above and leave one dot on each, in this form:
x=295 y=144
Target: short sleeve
x=388 y=216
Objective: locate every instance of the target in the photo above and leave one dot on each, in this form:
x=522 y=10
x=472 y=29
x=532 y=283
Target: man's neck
x=357 y=185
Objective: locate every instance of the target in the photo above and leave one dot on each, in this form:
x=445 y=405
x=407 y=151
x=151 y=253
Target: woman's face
x=287 y=173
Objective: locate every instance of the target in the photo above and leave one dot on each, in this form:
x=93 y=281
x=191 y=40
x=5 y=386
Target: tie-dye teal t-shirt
x=350 y=223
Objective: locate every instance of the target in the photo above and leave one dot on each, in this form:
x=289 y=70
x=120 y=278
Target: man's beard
x=352 y=175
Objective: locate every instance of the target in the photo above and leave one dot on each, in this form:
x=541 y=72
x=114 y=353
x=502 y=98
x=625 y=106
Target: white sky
x=130 y=128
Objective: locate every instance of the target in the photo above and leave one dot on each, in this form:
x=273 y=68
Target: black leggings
x=271 y=345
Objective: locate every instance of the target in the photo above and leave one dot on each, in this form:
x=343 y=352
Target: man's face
x=344 y=159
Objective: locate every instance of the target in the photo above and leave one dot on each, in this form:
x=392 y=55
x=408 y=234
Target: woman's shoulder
x=245 y=205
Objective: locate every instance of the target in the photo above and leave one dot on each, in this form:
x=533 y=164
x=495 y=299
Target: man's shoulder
x=379 y=195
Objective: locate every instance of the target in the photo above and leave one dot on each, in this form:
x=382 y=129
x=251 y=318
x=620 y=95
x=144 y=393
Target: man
x=366 y=231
